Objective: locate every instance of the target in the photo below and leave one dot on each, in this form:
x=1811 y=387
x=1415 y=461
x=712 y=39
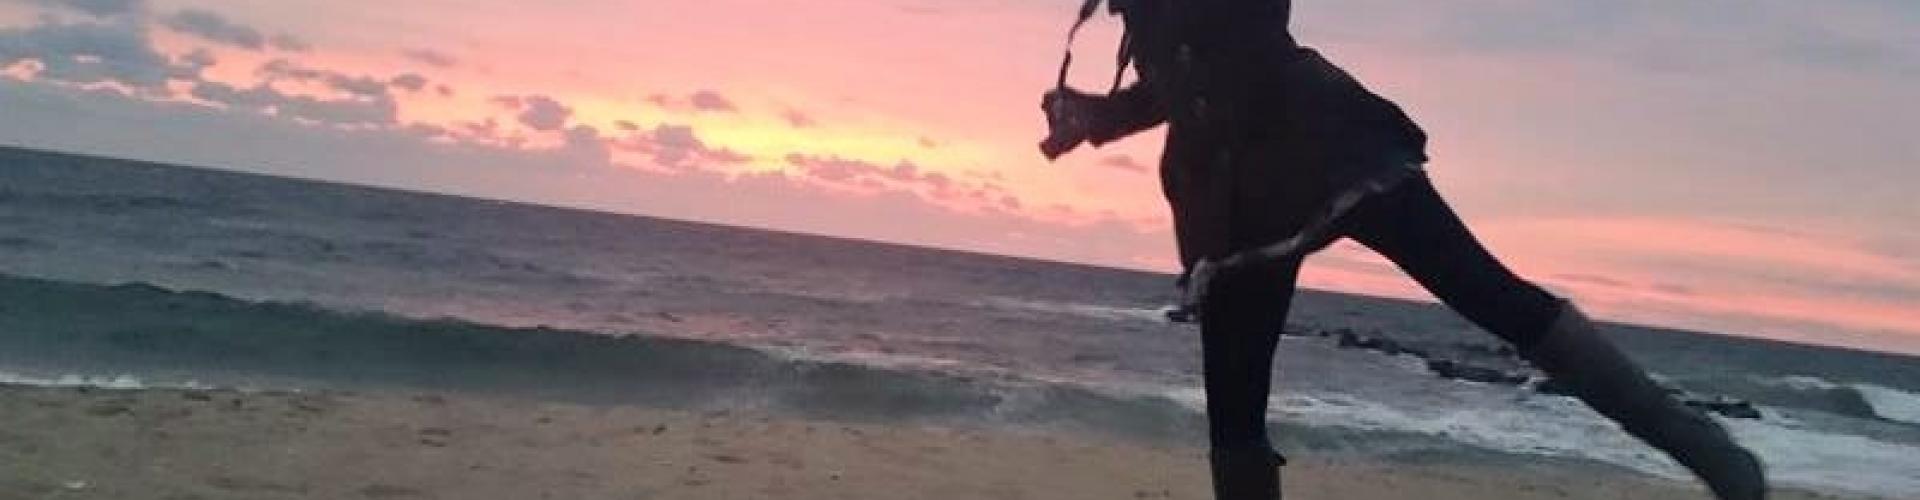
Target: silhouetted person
x=1263 y=135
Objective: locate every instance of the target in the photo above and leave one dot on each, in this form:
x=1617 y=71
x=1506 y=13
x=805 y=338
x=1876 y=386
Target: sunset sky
x=1738 y=166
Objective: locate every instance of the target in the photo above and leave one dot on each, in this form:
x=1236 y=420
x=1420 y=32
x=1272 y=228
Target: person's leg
x=1238 y=334
x=1412 y=226
x=1239 y=329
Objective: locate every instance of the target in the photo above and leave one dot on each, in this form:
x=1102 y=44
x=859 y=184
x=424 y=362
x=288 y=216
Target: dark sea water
x=129 y=274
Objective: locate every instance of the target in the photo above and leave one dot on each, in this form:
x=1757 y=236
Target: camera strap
x=1121 y=59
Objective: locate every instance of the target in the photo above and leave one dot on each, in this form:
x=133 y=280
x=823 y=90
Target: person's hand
x=1070 y=115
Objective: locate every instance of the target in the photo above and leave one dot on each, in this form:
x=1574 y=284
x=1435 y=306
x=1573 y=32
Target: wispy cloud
x=1727 y=165
x=215 y=28
x=431 y=57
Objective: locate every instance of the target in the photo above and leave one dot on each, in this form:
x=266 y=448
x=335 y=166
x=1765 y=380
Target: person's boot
x=1246 y=474
x=1573 y=353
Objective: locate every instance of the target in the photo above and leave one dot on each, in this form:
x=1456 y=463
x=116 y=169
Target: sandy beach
x=63 y=443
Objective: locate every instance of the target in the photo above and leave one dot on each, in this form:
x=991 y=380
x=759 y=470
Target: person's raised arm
x=1129 y=111
x=1074 y=117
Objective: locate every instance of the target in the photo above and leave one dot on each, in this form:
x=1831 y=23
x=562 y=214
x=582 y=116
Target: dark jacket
x=1261 y=132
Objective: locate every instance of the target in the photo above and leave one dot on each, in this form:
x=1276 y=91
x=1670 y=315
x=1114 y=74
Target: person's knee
x=1516 y=310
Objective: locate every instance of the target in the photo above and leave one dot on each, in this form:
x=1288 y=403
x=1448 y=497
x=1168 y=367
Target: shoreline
x=181 y=444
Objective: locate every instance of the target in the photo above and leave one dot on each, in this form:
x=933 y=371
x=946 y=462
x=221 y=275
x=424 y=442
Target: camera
x=1067 y=115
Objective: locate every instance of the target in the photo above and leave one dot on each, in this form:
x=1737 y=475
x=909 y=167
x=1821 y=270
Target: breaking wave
x=1858 y=400
x=116 y=382
x=153 y=333
x=148 y=336
x=1093 y=311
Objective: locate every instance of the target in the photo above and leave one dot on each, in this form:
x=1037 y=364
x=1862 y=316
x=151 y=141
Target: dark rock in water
x=1350 y=340
x=1730 y=407
x=1454 y=370
x=1554 y=387
x=1726 y=406
x=1500 y=350
x=1386 y=346
x=1182 y=314
x=1740 y=409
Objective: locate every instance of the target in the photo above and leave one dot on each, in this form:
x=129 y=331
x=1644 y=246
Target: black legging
x=1411 y=226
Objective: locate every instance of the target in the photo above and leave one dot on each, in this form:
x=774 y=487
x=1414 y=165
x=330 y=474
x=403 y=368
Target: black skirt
x=1259 y=147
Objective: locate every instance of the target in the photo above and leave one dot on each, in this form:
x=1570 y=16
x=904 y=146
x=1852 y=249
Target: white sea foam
x=1156 y=315
x=887 y=361
x=1891 y=404
x=1825 y=460
x=118 y=382
x=1562 y=427
x=1886 y=402
x=1805 y=383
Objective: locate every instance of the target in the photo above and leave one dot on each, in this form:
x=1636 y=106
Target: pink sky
x=1731 y=166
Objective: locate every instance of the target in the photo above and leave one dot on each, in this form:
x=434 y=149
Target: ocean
x=127 y=274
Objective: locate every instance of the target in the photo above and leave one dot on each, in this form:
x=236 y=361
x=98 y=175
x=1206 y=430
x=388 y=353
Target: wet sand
x=72 y=443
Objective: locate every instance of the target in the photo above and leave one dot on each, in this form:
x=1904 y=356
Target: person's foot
x=1592 y=369
x=1246 y=474
x=1704 y=447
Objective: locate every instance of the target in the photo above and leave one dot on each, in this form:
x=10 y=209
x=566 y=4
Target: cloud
x=1623 y=285
x=707 y=100
x=360 y=86
x=431 y=57
x=213 y=27
x=89 y=52
x=702 y=101
x=584 y=144
x=1732 y=270
x=677 y=144
x=98 y=8
x=1124 y=162
x=680 y=137
x=798 y=119
x=1592 y=280
x=268 y=144
x=289 y=43
x=485 y=130
x=190 y=66
x=676 y=147
x=1664 y=36
x=412 y=82
x=538 y=112
x=901 y=175
x=1672 y=289
x=263 y=98
x=198 y=58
